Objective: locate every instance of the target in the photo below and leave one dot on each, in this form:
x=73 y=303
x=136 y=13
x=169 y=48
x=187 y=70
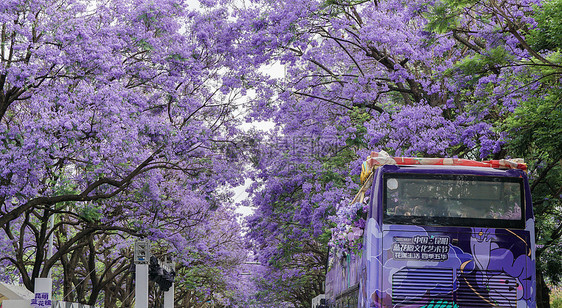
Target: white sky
x=275 y=70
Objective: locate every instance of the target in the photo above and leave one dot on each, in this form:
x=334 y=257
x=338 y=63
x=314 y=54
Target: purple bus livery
x=447 y=233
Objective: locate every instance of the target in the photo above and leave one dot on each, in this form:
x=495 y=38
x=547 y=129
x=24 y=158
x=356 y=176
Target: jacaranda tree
x=424 y=78
x=112 y=120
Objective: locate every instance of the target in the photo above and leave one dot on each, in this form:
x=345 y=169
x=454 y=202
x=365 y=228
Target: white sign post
x=43 y=293
x=169 y=298
x=141 y=286
x=142 y=257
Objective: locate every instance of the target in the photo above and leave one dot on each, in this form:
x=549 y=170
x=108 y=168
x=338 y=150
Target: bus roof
x=376 y=159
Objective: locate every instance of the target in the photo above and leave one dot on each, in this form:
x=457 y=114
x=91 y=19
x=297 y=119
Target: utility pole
x=43 y=287
x=169 y=295
x=142 y=258
x=169 y=298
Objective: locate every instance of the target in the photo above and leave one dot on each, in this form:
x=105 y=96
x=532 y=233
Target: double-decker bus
x=440 y=233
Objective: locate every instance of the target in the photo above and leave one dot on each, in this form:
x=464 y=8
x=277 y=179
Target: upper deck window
x=461 y=200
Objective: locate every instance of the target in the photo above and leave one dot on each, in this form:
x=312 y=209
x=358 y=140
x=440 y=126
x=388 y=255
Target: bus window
x=453 y=200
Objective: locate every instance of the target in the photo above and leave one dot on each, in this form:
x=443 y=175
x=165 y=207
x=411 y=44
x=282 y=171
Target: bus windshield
x=461 y=200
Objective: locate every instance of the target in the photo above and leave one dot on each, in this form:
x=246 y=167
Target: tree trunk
x=543 y=292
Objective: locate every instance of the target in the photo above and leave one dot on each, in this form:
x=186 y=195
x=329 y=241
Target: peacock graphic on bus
x=435 y=232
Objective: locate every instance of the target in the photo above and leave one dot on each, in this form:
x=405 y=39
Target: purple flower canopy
x=113 y=118
x=371 y=76
x=126 y=116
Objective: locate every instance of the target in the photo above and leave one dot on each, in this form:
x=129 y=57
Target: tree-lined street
x=128 y=120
